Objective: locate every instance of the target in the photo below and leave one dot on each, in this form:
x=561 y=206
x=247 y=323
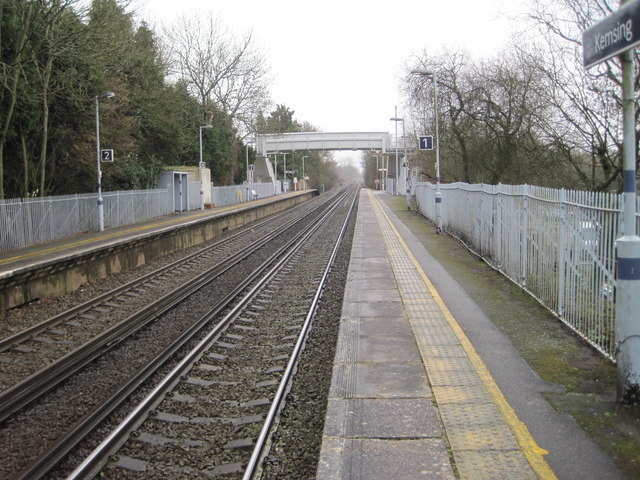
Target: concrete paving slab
x=344 y=381
x=402 y=459
x=373 y=295
x=369 y=418
x=376 y=459
x=379 y=309
x=388 y=349
x=367 y=282
x=384 y=327
x=391 y=380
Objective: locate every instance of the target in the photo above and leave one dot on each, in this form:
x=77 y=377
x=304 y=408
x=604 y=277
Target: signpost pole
x=628 y=253
x=619 y=34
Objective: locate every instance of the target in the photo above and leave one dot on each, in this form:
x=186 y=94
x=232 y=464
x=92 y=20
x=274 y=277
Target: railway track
x=37 y=384
x=44 y=343
x=91 y=413
x=214 y=411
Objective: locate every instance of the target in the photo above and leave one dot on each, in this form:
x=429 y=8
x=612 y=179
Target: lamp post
x=284 y=183
x=246 y=151
x=303 y=177
x=377 y=173
x=100 y=200
x=385 y=172
x=397 y=119
x=275 y=171
x=200 y=168
x=432 y=75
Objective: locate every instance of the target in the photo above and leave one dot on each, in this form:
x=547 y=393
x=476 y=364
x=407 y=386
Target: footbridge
x=322 y=141
x=382 y=142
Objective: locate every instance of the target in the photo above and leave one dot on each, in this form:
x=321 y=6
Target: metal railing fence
x=31 y=221
x=558 y=245
x=232 y=194
x=228 y=195
x=133 y=206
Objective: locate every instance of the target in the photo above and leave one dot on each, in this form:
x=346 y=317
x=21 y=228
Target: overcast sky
x=337 y=63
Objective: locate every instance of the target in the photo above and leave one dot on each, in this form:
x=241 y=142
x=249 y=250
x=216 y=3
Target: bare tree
x=56 y=41
x=508 y=113
x=221 y=71
x=245 y=92
x=454 y=86
x=587 y=103
x=12 y=72
x=488 y=114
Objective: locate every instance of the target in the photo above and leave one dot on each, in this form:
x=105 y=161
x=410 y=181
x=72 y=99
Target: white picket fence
x=558 y=245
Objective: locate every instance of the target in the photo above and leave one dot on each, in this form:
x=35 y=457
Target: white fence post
x=561 y=249
x=524 y=237
x=498 y=232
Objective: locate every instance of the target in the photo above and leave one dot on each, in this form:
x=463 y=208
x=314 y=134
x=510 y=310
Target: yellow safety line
x=533 y=453
x=110 y=235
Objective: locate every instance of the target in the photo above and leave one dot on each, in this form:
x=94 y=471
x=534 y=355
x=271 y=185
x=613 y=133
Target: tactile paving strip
x=444 y=351
x=460 y=394
x=493 y=465
x=468 y=378
x=447 y=364
x=482 y=441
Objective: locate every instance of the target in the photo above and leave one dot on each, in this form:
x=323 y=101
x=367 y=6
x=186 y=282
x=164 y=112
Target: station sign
x=611 y=36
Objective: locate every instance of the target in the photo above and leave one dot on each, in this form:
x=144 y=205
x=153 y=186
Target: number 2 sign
x=106 y=155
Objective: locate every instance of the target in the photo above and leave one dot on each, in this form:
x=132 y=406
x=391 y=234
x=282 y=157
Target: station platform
x=425 y=386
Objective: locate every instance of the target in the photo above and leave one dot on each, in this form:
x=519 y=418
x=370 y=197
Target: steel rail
x=90 y=466
x=29 y=389
x=10 y=341
x=257 y=453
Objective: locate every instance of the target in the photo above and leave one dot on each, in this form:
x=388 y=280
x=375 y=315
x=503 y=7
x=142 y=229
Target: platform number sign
x=426 y=142
x=106 y=155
